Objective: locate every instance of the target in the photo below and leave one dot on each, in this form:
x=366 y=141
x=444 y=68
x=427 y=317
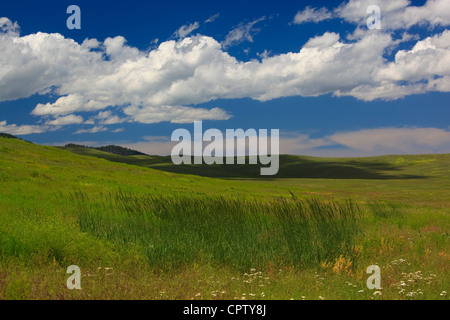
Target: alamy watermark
x=239 y=145
x=374 y=20
x=74 y=281
x=374 y=281
x=74 y=21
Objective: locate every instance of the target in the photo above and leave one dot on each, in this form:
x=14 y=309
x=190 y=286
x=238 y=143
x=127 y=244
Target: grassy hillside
x=386 y=167
x=141 y=229
x=422 y=178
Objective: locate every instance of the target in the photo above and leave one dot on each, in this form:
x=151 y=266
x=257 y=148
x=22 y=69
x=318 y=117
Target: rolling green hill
x=142 y=228
x=118 y=150
x=419 y=178
x=424 y=178
x=385 y=167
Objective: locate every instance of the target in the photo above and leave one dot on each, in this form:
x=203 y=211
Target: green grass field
x=142 y=228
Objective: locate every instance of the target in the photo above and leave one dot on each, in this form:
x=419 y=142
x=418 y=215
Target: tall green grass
x=386 y=210
x=176 y=230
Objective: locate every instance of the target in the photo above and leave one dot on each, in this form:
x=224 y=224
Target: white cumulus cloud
x=66 y=120
x=23 y=129
x=395 y=14
x=166 y=83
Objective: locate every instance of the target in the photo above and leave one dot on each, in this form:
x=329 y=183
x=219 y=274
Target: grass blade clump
x=176 y=230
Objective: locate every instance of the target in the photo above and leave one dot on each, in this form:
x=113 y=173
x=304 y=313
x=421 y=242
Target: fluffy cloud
x=92 y=130
x=68 y=104
x=243 y=32
x=310 y=14
x=395 y=14
x=23 y=129
x=8 y=27
x=155 y=87
x=428 y=58
x=396 y=140
x=370 y=142
x=174 y=114
x=67 y=120
x=185 y=30
x=166 y=83
x=107 y=118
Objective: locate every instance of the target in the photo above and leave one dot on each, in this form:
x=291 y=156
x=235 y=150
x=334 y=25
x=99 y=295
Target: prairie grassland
x=141 y=233
x=174 y=231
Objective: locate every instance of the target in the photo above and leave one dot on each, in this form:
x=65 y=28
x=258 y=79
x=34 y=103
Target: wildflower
x=360 y=291
x=377 y=293
x=443 y=293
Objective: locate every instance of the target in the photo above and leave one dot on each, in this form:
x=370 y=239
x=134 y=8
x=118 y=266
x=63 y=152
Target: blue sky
x=138 y=70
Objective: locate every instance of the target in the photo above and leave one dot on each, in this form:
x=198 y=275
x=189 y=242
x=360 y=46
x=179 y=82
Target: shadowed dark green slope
x=385 y=167
x=34 y=168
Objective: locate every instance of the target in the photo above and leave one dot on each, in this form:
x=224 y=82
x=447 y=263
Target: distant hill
x=10 y=136
x=121 y=151
x=291 y=166
x=7 y=135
